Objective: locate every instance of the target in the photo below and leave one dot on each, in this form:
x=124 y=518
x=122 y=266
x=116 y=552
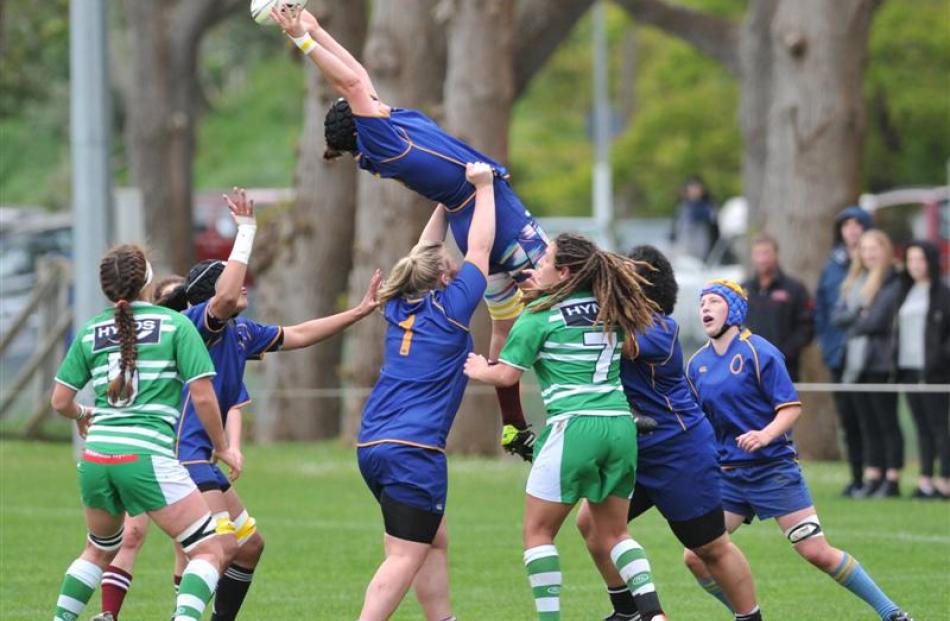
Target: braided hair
x=123 y=273
x=614 y=280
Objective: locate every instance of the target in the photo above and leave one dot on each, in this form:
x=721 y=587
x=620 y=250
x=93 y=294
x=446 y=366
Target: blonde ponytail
x=414 y=274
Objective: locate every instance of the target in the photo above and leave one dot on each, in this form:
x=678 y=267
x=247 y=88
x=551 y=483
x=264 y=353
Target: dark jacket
x=876 y=322
x=831 y=338
x=782 y=314
x=937 y=331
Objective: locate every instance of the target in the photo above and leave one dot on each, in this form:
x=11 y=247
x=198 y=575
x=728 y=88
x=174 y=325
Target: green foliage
x=681 y=120
x=323 y=531
x=908 y=83
x=34 y=52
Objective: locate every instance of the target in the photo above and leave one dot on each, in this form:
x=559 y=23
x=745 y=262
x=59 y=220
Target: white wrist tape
x=243 y=241
x=304 y=43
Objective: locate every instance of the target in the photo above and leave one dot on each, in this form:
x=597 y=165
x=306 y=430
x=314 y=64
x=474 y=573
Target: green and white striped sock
x=632 y=564
x=80 y=583
x=544 y=573
x=197 y=586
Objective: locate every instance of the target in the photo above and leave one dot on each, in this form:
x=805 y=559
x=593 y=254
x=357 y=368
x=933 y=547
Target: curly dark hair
x=612 y=278
x=339 y=130
x=661 y=284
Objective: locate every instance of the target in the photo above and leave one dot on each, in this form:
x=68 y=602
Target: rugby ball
x=260 y=9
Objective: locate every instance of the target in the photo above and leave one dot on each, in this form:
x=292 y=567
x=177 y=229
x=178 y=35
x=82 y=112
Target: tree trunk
x=815 y=135
x=405 y=55
x=164 y=37
x=479 y=91
x=304 y=269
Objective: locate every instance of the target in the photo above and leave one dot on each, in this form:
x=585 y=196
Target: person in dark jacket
x=850 y=224
x=695 y=229
x=864 y=311
x=921 y=316
x=780 y=309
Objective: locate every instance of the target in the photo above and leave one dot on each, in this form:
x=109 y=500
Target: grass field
x=323 y=543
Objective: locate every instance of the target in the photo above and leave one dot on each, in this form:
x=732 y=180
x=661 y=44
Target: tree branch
x=541 y=25
x=716 y=37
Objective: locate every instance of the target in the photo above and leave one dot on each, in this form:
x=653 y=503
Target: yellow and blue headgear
x=735 y=296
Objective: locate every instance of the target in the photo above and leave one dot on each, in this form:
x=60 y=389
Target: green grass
x=323 y=543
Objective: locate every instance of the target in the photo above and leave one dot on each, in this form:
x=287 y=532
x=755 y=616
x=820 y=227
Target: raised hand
x=369 y=303
x=290 y=19
x=242 y=208
x=479 y=174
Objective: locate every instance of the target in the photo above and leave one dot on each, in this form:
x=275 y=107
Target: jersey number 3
x=406 y=324
x=607 y=341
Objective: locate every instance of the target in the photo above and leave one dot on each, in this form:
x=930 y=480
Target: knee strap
x=245 y=526
x=107 y=544
x=200 y=530
x=223 y=524
x=805 y=528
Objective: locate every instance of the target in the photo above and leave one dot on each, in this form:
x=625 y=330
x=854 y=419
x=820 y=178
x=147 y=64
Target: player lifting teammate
x=428 y=303
x=587 y=305
x=741 y=382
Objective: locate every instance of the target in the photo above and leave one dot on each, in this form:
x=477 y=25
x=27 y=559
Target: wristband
x=244 y=240
x=304 y=43
x=83 y=413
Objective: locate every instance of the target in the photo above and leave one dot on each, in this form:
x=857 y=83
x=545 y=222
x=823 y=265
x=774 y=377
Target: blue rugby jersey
x=231 y=344
x=656 y=385
x=741 y=391
x=420 y=386
x=409 y=146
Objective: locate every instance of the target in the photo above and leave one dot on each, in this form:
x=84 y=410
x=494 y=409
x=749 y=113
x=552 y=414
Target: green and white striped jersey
x=170 y=354
x=577 y=363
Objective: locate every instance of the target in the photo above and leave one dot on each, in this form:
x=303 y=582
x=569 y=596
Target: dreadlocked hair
x=170 y=293
x=615 y=281
x=414 y=274
x=122 y=274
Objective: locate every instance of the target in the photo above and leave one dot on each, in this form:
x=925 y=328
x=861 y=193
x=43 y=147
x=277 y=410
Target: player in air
x=677 y=465
x=741 y=382
x=428 y=302
x=138 y=357
x=587 y=306
x=216 y=296
x=407 y=145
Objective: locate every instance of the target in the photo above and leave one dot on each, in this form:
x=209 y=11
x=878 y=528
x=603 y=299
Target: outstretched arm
x=481 y=232
x=325 y=40
x=436 y=226
x=309 y=332
x=227 y=292
x=350 y=83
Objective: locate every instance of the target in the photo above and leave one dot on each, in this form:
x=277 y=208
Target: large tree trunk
x=405 y=55
x=162 y=116
x=815 y=135
x=479 y=91
x=304 y=270
x=801 y=68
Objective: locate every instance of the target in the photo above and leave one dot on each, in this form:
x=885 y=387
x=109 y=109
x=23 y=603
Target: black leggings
x=849 y=420
x=931 y=413
x=880 y=432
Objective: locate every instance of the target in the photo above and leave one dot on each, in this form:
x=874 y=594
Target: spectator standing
x=850 y=224
x=923 y=356
x=864 y=310
x=780 y=309
x=695 y=228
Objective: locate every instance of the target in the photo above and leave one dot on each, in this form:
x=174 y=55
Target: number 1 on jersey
x=406 y=324
x=607 y=340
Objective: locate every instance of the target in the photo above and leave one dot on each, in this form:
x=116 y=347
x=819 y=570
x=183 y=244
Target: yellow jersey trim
x=403 y=442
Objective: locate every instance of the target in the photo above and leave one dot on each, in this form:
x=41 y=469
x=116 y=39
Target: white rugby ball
x=260 y=9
